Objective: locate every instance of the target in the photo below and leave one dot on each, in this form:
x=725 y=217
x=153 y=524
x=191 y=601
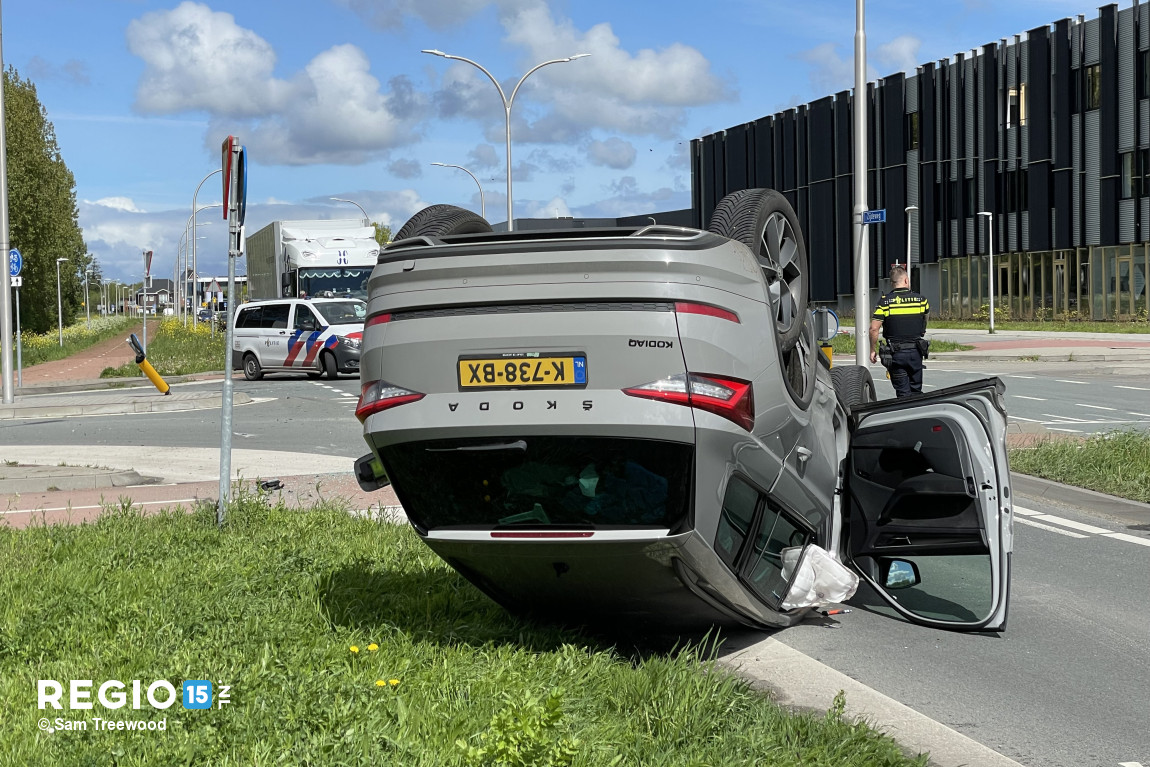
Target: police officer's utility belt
x=899 y=346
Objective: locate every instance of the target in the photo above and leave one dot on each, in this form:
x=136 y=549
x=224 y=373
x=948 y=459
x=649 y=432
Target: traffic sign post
x=15 y=263
x=234 y=163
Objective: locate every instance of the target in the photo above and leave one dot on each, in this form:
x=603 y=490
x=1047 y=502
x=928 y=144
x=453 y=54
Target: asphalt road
x=1064 y=686
x=1061 y=398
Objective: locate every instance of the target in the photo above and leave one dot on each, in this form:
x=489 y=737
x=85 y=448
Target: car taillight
x=380 y=395
x=377 y=319
x=687 y=307
x=729 y=397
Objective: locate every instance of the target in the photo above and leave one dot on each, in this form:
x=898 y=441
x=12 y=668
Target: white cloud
x=391 y=14
x=484 y=156
x=334 y=111
x=612 y=153
x=900 y=54
x=556 y=207
x=117 y=203
x=830 y=72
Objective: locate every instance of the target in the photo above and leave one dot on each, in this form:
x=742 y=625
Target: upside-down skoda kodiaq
x=635 y=424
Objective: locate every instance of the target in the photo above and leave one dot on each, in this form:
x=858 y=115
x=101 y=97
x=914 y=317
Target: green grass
x=178 y=350
x=45 y=347
x=272 y=604
x=844 y=343
x=1117 y=463
x=1049 y=326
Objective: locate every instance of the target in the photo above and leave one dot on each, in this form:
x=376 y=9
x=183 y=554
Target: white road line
x=1072 y=431
x=1128 y=538
x=1050 y=528
x=99 y=506
x=1073 y=525
x=1094 y=407
x=1140 y=415
x=1028 y=420
x=1026 y=512
x=1130 y=764
x=1135 y=388
x=1023 y=396
x=1064 y=380
x=1064 y=418
x=1018 y=376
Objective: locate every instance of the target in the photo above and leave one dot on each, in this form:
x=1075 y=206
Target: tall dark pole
x=5 y=246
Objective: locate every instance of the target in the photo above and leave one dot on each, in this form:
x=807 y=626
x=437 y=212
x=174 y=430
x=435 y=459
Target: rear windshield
x=342 y=312
x=534 y=482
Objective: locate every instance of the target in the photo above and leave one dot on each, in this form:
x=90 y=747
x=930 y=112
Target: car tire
x=765 y=222
x=442 y=220
x=313 y=374
x=853 y=385
x=799 y=365
x=330 y=368
x=252 y=369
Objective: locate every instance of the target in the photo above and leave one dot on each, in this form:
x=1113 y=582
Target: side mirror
x=900 y=574
x=369 y=473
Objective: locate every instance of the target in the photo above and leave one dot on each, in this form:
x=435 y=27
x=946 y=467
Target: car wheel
x=765 y=222
x=799 y=365
x=442 y=220
x=252 y=369
x=853 y=385
x=313 y=374
x=330 y=369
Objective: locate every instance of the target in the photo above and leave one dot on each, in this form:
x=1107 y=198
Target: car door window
x=305 y=320
x=764 y=571
x=250 y=318
x=735 y=519
x=275 y=316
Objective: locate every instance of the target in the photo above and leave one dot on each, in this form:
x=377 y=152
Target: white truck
x=323 y=258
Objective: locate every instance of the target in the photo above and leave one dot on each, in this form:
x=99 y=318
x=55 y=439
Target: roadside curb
x=110 y=383
x=797 y=681
x=193 y=401
x=39 y=479
x=1049 y=491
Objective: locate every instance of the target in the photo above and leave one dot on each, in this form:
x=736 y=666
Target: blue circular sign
x=15 y=262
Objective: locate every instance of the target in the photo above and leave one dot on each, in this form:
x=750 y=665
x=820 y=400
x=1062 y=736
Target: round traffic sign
x=15 y=262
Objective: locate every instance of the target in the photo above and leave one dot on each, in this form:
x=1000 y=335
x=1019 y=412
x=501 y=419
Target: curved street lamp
x=191 y=224
x=507 y=102
x=990 y=260
x=482 y=207
x=366 y=218
x=195 y=320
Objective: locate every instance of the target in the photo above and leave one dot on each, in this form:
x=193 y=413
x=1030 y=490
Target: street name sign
x=874 y=216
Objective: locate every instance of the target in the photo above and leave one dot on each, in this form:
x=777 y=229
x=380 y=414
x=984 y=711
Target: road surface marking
x=1140 y=415
x=1064 y=380
x=1135 y=388
x=1072 y=431
x=1128 y=538
x=1036 y=399
x=1050 y=528
x=1020 y=418
x=1066 y=418
x=1018 y=376
x=100 y=506
x=1072 y=524
x=1026 y=512
x=1094 y=407
x=1130 y=764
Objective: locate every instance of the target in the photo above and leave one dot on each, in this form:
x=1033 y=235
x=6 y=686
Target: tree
x=382 y=234
x=43 y=219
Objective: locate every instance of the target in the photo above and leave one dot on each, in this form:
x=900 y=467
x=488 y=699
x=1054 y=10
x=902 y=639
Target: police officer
x=901 y=315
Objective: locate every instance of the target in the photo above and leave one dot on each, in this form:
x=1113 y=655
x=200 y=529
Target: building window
x=912 y=131
x=1022 y=104
x=1127 y=175
x=1011 y=108
x=1143 y=61
x=1094 y=86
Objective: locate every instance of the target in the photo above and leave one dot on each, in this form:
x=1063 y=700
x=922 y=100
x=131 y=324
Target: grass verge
x=347 y=642
x=178 y=350
x=45 y=347
x=844 y=343
x=1048 y=326
x=1116 y=463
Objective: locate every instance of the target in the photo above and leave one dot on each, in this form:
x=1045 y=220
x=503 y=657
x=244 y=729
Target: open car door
x=926 y=505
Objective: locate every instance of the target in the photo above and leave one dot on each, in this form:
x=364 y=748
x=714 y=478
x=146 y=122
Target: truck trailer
x=323 y=258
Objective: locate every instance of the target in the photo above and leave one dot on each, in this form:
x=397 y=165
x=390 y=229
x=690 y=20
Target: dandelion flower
x=354 y=648
x=393 y=682
x=380 y=683
x=372 y=647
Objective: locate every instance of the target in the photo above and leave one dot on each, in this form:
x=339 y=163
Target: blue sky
x=333 y=98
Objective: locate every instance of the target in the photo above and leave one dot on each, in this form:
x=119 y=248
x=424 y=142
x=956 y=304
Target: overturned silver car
x=636 y=424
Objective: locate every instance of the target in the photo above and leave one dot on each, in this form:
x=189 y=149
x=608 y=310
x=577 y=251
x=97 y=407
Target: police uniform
x=903 y=315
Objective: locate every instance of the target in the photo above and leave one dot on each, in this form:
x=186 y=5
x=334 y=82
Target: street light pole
x=482 y=207
x=366 y=218
x=990 y=262
x=87 y=303
x=60 y=300
x=862 y=266
x=907 y=210
x=195 y=315
x=507 y=102
x=190 y=225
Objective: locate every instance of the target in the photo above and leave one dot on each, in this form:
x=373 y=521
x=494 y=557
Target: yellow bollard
x=828 y=352
x=146 y=366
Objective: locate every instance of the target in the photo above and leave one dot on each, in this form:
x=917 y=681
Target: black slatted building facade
x=1048 y=131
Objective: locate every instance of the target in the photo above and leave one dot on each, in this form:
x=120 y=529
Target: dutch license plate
x=522 y=370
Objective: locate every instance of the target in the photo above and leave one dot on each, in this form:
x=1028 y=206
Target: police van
x=319 y=336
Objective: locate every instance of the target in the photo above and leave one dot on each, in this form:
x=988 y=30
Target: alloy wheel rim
x=777 y=257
